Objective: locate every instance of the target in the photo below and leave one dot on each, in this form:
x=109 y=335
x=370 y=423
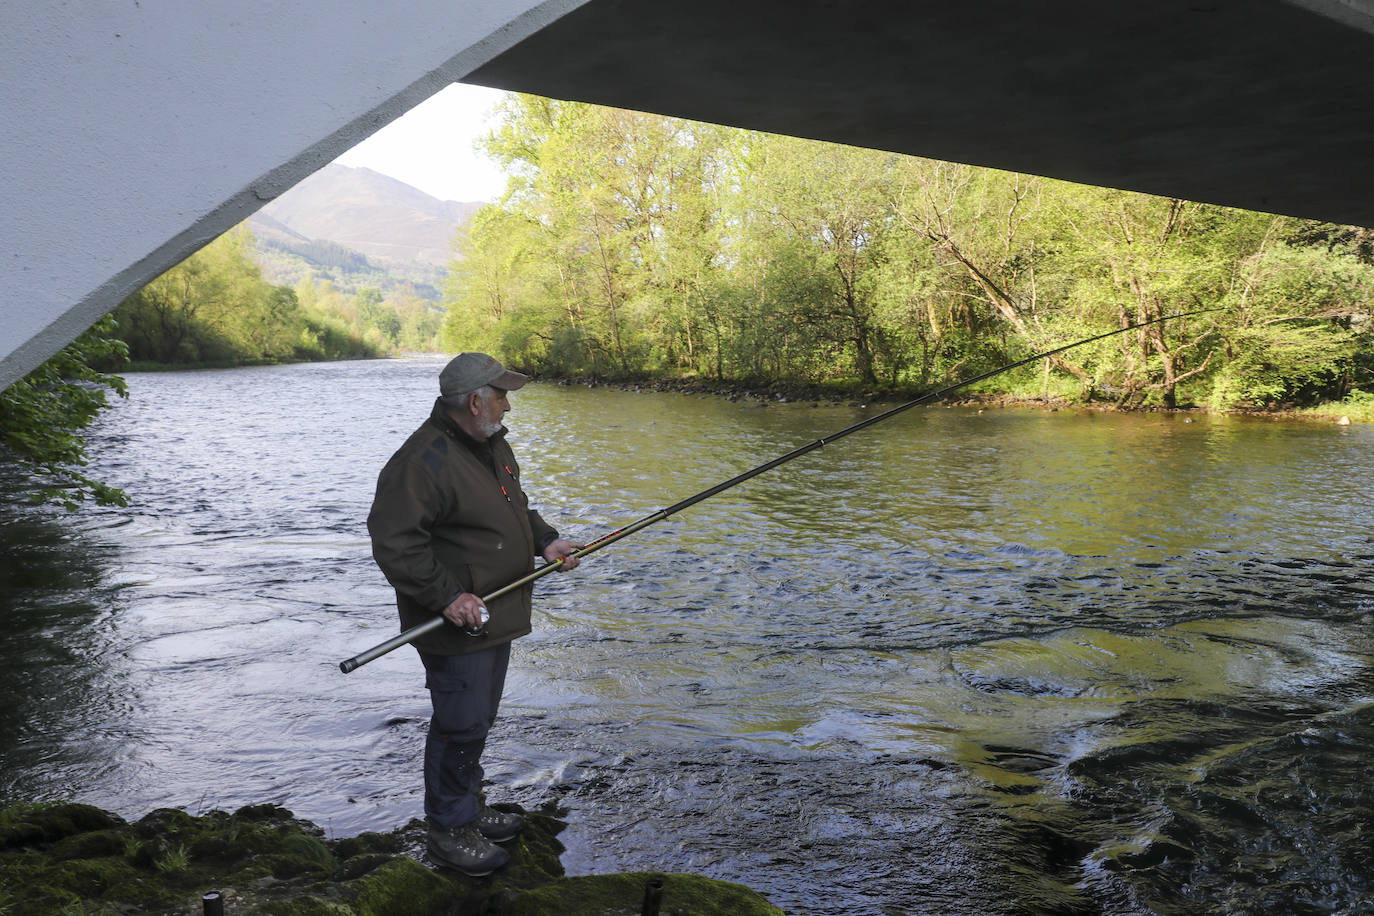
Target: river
x=1005 y=661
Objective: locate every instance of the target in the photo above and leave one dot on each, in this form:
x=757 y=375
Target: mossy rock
x=368 y=842
x=75 y=858
x=359 y=865
x=27 y=825
x=306 y=906
x=165 y=823
x=269 y=814
x=93 y=845
x=295 y=866
x=402 y=887
x=623 y=895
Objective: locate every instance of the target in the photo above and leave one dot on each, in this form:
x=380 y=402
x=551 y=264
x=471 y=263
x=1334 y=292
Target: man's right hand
x=465 y=611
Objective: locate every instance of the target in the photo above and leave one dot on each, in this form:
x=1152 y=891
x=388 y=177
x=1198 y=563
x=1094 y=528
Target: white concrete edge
x=1358 y=14
x=100 y=301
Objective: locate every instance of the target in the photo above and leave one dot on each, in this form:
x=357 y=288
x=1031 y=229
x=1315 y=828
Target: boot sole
x=503 y=839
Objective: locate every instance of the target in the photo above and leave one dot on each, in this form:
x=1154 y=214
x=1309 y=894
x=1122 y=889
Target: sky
x=430 y=147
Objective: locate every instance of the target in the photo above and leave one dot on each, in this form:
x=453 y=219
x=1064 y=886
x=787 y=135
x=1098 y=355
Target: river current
x=1004 y=661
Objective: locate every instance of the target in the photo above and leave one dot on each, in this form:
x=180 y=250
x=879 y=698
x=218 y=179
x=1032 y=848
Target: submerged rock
x=262 y=859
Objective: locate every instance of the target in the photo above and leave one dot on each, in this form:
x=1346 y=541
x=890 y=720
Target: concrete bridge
x=135 y=131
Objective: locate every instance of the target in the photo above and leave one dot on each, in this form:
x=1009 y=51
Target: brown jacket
x=450 y=517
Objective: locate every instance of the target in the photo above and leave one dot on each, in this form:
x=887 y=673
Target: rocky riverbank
x=72 y=858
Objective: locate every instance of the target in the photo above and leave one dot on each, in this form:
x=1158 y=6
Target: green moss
x=305 y=846
x=306 y=906
x=292 y=866
x=87 y=877
x=27 y=825
x=535 y=853
x=166 y=823
x=93 y=845
x=78 y=859
x=598 y=895
x=269 y=814
x=363 y=843
x=359 y=865
x=402 y=887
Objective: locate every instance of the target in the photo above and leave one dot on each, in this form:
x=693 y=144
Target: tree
x=43 y=414
x=1298 y=327
x=834 y=202
x=985 y=252
x=378 y=315
x=593 y=235
x=631 y=243
x=213 y=307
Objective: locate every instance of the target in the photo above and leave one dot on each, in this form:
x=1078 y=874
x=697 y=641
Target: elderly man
x=450 y=522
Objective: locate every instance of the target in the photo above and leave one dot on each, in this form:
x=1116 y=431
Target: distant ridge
x=356 y=227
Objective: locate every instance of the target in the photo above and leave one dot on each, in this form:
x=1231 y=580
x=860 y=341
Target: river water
x=1011 y=661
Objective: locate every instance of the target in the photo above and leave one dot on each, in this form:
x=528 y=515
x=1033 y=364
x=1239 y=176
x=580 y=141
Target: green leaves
x=630 y=244
x=43 y=414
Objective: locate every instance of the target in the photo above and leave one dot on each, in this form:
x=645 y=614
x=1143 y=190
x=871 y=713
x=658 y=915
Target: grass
x=176 y=858
x=1358 y=407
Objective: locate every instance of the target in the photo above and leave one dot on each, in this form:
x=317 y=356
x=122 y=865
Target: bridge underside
x=1260 y=105
x=138 y=132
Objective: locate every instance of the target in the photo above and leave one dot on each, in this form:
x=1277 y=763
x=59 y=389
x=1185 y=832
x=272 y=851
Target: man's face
x=489 y=411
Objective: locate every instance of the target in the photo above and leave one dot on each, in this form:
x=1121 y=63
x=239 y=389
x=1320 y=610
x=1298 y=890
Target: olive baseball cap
x=467 y=372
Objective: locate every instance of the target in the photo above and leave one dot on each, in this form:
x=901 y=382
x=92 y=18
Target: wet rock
x=262 y=859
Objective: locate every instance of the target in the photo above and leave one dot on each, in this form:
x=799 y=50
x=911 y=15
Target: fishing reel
x=480 y=629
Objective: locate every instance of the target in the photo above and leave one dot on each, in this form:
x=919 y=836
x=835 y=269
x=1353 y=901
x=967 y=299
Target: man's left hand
x=562 y=549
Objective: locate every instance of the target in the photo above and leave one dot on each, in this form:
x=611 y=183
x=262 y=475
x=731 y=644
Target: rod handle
x=395 y=642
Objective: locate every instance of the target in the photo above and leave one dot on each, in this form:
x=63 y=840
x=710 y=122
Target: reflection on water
x=1000 y=662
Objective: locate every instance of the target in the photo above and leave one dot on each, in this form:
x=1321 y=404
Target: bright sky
x=430 y=146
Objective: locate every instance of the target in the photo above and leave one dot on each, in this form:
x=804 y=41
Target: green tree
x=213 y=307
x=42 y=417
x=631 y=243
x=977 y=252
x=1298 y=329
x=378 y=315
x=503 y=296
x=420 y=321
x=829 y=216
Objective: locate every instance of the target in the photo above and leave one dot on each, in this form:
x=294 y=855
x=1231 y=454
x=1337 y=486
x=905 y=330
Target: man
x=449 y=523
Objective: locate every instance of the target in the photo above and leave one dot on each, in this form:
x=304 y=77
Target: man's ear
x=475 y=404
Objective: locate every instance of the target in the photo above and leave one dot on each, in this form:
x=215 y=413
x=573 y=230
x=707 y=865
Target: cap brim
x=509 y=381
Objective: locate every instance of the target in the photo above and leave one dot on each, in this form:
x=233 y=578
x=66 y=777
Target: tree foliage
x=631 y=244
x=42 y=417
x=216 y=308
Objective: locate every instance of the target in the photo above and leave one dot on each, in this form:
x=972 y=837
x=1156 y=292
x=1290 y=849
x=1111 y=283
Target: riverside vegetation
x=637 y=247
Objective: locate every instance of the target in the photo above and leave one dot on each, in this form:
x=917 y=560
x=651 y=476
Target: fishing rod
x=430 y=626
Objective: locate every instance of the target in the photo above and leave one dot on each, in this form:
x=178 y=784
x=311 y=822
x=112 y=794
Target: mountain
x=356 y=227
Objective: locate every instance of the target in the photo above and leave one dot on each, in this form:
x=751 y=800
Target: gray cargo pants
x=465 y=691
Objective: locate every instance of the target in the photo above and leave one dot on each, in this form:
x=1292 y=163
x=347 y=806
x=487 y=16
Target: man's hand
x=466 y=610
x=561 y=549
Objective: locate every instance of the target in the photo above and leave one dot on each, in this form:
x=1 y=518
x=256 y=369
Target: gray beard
x=486 y=429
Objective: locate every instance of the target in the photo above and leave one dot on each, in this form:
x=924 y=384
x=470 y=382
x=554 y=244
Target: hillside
x=356 y=227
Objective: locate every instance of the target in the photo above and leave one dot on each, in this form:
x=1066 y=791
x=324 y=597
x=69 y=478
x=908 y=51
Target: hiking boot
x=498 y=826
x=465 y=849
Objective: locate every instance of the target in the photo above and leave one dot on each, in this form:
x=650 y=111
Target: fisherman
x=450 y=522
